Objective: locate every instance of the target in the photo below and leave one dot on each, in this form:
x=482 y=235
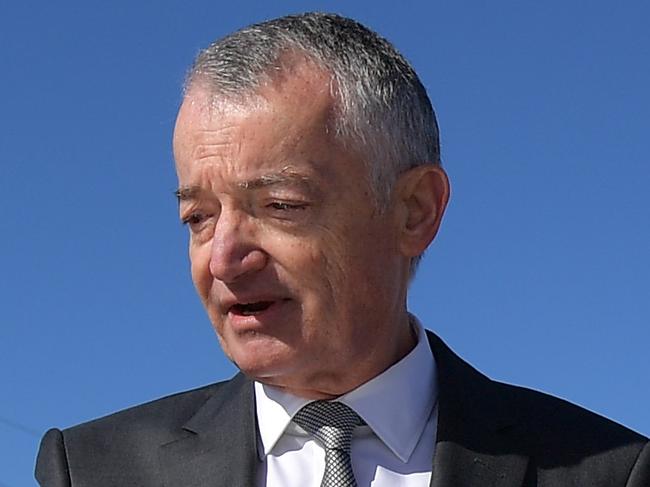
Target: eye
x=193 y=219
x=284 y=206
x=198 y=223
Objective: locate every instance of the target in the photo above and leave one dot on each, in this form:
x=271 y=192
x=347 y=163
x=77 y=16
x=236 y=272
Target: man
x=309 y=177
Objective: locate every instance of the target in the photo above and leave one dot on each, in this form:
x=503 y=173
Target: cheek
x=303 y=263
x=341 y=254
x=360 y=264
x=324 y=274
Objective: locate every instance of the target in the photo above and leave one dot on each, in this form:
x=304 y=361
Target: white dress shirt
x=394 y=449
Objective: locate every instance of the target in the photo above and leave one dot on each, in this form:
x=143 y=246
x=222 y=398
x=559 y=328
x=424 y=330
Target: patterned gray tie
x=331 y=423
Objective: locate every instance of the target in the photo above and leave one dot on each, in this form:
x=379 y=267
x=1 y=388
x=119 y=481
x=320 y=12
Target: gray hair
x=382 y=108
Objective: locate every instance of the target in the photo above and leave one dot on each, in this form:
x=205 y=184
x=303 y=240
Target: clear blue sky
x=541 y=272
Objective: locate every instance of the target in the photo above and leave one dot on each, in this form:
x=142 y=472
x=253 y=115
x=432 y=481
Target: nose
x=234 y=252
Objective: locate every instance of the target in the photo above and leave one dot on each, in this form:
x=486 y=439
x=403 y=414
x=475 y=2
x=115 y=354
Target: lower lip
x=259 y=320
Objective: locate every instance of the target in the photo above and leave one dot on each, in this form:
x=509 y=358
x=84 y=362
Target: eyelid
x=187 y=212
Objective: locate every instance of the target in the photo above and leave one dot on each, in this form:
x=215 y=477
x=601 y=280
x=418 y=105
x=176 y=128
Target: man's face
x=300 y=275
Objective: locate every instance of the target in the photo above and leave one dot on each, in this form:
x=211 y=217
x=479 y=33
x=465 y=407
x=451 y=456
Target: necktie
x=331 y=423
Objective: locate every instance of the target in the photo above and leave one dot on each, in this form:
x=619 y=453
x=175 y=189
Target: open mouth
x=250 y=309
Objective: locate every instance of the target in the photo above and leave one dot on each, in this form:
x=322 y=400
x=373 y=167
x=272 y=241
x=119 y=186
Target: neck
x=328 y=386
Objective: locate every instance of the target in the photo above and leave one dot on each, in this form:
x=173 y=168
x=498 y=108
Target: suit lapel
x=477 y=428
x=218 y=445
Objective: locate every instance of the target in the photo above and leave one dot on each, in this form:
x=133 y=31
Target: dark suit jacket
x=489 y=434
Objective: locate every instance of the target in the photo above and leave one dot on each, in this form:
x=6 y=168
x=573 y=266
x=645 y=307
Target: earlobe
x=423 y=193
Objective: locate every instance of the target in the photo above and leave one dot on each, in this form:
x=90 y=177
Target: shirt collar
x=406 y=392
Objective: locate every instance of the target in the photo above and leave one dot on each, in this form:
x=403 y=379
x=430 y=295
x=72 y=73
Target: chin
x=261 y=358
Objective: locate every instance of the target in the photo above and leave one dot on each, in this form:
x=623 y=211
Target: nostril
x=254 y=259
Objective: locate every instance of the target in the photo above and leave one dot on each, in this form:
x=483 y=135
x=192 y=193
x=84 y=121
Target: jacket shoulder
x=563 y=444
x=122 y=448
x=168 y=412
x=550 y=418
x=570 y=445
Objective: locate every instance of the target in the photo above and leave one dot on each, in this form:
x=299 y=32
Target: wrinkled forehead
x=289 y=121
x=294 y=79
x=299 y=98
x=284 y=124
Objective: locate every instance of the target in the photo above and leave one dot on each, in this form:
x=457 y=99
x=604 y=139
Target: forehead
x=286 y=122
x=297 y=91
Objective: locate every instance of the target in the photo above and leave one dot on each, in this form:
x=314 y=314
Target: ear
x=422 y=194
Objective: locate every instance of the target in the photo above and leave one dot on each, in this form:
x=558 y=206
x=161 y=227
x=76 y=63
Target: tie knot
x=331 y=423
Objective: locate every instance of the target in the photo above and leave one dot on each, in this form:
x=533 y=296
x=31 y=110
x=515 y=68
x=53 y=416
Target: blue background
x=539 y=276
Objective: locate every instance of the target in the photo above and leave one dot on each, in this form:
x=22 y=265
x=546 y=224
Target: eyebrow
x=185 y=193
x=286 y=176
